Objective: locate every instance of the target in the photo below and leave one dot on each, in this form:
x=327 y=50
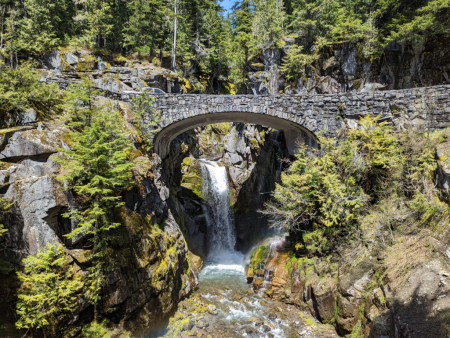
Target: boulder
x=235 y=159
x=4 y=178
x=196 y=263
x=53 y=61
x=31 y=143
x=328 y=85
x=325 y=298
x=31 y=169
x=40 y=203
x=29 y=116
x=238 y=176
x=235 y=143
x=71 y=58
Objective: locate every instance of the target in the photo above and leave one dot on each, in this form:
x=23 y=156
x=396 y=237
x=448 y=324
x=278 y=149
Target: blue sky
x=227 y=4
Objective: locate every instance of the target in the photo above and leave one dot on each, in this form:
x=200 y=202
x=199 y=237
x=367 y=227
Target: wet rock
x=188 y=326
x=272 y=316
x=212 y=309
x=265 y=328
x=196 y=263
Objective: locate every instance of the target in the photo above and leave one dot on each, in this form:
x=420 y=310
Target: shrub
x=20 y=90
x=329 y=193
x=49 y=291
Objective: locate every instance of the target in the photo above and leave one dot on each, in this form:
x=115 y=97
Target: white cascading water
x=224 y=267
x=219 y=216
x=222 y=281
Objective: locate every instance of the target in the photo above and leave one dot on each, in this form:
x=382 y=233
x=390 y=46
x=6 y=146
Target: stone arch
x=294 y=133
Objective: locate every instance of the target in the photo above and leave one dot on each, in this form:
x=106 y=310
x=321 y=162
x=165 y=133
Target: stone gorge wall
x=152 y=272
x=252 y=156
x=344 y=68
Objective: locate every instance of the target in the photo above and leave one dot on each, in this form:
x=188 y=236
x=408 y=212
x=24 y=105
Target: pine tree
x=100 y=21
x=98 y=168
x=50 y=290
x=20 y=90
x=42 y=26
x=143 y=30
x=5 y=267
x=79 y=102
x=268 y=22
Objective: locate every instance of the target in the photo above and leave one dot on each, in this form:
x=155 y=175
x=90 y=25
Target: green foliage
x=295 y=62
x=4 y=206
x=78 y=100
x=432 y=19
x=98 y=168
x=328 y=193
x=5 y=267
x=21 y=90
x=268 y=22
x=141 y=105
x=49 y=292
x=145 y=25
x=41 y=29
x=218 y=48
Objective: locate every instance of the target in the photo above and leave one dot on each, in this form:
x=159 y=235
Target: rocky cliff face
x=109 y=73
x=343 y=68
x=153 y=271
x=253 y=157
x=400 y=292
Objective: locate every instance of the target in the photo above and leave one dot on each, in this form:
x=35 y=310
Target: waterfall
x=219 y=216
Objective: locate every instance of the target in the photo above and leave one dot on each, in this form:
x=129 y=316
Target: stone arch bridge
x=300 y=117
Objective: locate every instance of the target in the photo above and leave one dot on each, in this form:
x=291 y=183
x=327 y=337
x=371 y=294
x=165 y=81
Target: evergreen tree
x=5 y=267
x=20 y=90
x=43 y=25
x=242 y=19
x=100 y=21
x=98 y=168
x=79 y=102
x=144 y=29
x=268 y=22
x=50 y=290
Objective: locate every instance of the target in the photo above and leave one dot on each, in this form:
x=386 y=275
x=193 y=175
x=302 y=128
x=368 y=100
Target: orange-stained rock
x=196 y=263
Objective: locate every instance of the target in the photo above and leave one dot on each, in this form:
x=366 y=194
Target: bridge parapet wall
x=429 y=106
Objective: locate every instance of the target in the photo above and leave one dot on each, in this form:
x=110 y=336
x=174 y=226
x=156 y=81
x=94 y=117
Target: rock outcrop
x=383 y=296
x=152 y=272
x=343 y=67
x=108 y=73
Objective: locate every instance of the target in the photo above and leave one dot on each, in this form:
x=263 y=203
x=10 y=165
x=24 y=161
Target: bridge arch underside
x=294 y=133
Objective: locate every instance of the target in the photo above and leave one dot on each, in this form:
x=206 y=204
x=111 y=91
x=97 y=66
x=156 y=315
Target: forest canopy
x=210 y=42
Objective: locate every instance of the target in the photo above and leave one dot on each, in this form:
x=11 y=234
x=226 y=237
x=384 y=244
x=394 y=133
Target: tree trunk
x=161 y=44
x=24 y=8
x=11 y=54
x=3 y=21
x=151 y=46
x=174 y=49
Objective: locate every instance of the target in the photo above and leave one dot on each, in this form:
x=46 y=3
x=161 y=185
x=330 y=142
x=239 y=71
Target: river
x=224 y=304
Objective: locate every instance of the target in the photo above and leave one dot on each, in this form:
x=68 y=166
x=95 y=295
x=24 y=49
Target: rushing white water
x=219 y=216
x=222 y=281
x=224 y=267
